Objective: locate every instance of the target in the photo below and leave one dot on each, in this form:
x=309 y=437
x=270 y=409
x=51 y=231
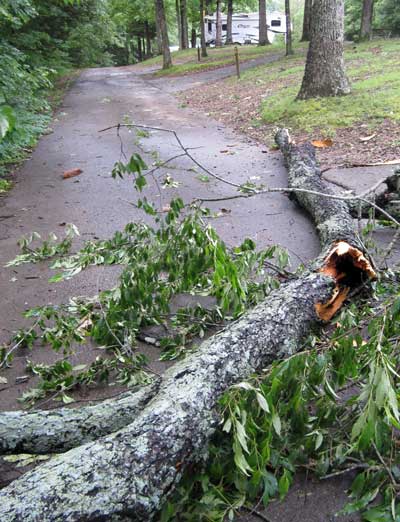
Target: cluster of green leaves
x=181 y=254
x=331 y=408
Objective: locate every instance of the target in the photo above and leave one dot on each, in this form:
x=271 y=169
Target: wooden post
x=198 y=54
x=237 y=61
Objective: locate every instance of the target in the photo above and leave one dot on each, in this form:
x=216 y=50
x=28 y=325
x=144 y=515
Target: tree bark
x=305 y=37
x=229 y=38
x=193 y=38
x=163 y=30
x=366 y=20
x=140 y=50
x=202 y=31
x=129 y=475
x=218 y=36
x=148 y=39
x=289 y=48
x=325 y=71
x=178 y=22
x=54 y=431
x=184 y=25
x=262 y=24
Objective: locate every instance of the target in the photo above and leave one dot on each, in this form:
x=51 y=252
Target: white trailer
x=245 y=27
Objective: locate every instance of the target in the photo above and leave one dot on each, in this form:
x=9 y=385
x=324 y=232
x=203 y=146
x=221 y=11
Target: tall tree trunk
x=366 y=20
x=229 y=39
x=140 y=49
x=127 y=48
x=262 y=23
x=162 y=27
x=193 y=38
x=218 y=36
x=184 y=25
x=289 y=48
x=179 y=23
x=325 y=71
x=202 y=31
x=148 y=39
x=307 y=21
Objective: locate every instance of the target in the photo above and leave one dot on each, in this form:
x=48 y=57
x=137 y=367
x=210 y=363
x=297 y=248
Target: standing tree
x=229 y=38
x=325 y=71
x=162 y=30
x=305 y=37
x=178 y=23
x=262 y=24
x=202 y=31
x=184 y=25
x=289 y=48
x=366 y=20
x=218 y=36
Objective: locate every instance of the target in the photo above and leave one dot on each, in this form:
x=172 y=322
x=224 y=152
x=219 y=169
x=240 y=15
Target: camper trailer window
x=224 y=27
x=209 y=27
x=275 y=23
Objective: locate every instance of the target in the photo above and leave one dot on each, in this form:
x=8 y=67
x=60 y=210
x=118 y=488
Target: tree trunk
x=289 y=48
x=262 y=23
x=184 y=25
x=325 y=71
x=193 y=38
x=366 y=20
x=162 y=28
x=229 y=38
x=178 y=22
x=148 y=39
x=129 y=475
x=140 y=50
x=218 y=37
x=202 y=31
x=305 y=37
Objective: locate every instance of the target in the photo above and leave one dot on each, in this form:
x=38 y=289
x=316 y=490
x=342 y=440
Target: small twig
x=388 y=470
x=390 y=247
x=257 y=513
x=349 y=469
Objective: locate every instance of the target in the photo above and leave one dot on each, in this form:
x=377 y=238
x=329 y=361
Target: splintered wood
x=348 y=267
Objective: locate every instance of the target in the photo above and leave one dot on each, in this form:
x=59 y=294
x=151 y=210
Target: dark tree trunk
x=366 y=20
x=202 y=31
x=162 y=28
x=325 y=71
x=305 y=37
x=262 y=23
x=178 y=22
x=229 y=39
x=289 y=48
x=193 y=38
x=148 y=39
x=140 y=49
x=218 y=37
x=184 y=25
x=130 y=474
x=128 y=48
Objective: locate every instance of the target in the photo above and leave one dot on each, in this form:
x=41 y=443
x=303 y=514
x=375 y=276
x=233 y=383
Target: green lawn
x=186 y=61
x=374 y=72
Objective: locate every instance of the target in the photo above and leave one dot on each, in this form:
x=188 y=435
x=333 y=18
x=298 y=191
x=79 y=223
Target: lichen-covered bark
x=331 y=216
x=132 y=471
x=53 y=431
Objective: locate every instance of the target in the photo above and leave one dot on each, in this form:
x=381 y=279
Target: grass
x=185 y=62
x=374 y=72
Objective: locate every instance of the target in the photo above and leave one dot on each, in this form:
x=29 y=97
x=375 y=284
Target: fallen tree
x=130 y=473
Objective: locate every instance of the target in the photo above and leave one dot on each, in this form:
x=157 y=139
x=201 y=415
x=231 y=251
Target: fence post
x=237 y=61
x=198 y=54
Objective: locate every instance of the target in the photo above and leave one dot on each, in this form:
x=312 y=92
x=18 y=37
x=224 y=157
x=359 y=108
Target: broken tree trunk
x=130 y=473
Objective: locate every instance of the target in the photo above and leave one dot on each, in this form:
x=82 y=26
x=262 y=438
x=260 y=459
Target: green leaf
x=276 y=422
x=284 y=483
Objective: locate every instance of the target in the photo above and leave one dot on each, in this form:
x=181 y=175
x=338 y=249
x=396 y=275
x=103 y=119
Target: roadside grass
x=374 y=72
x=31 y=125
x=185 y=62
